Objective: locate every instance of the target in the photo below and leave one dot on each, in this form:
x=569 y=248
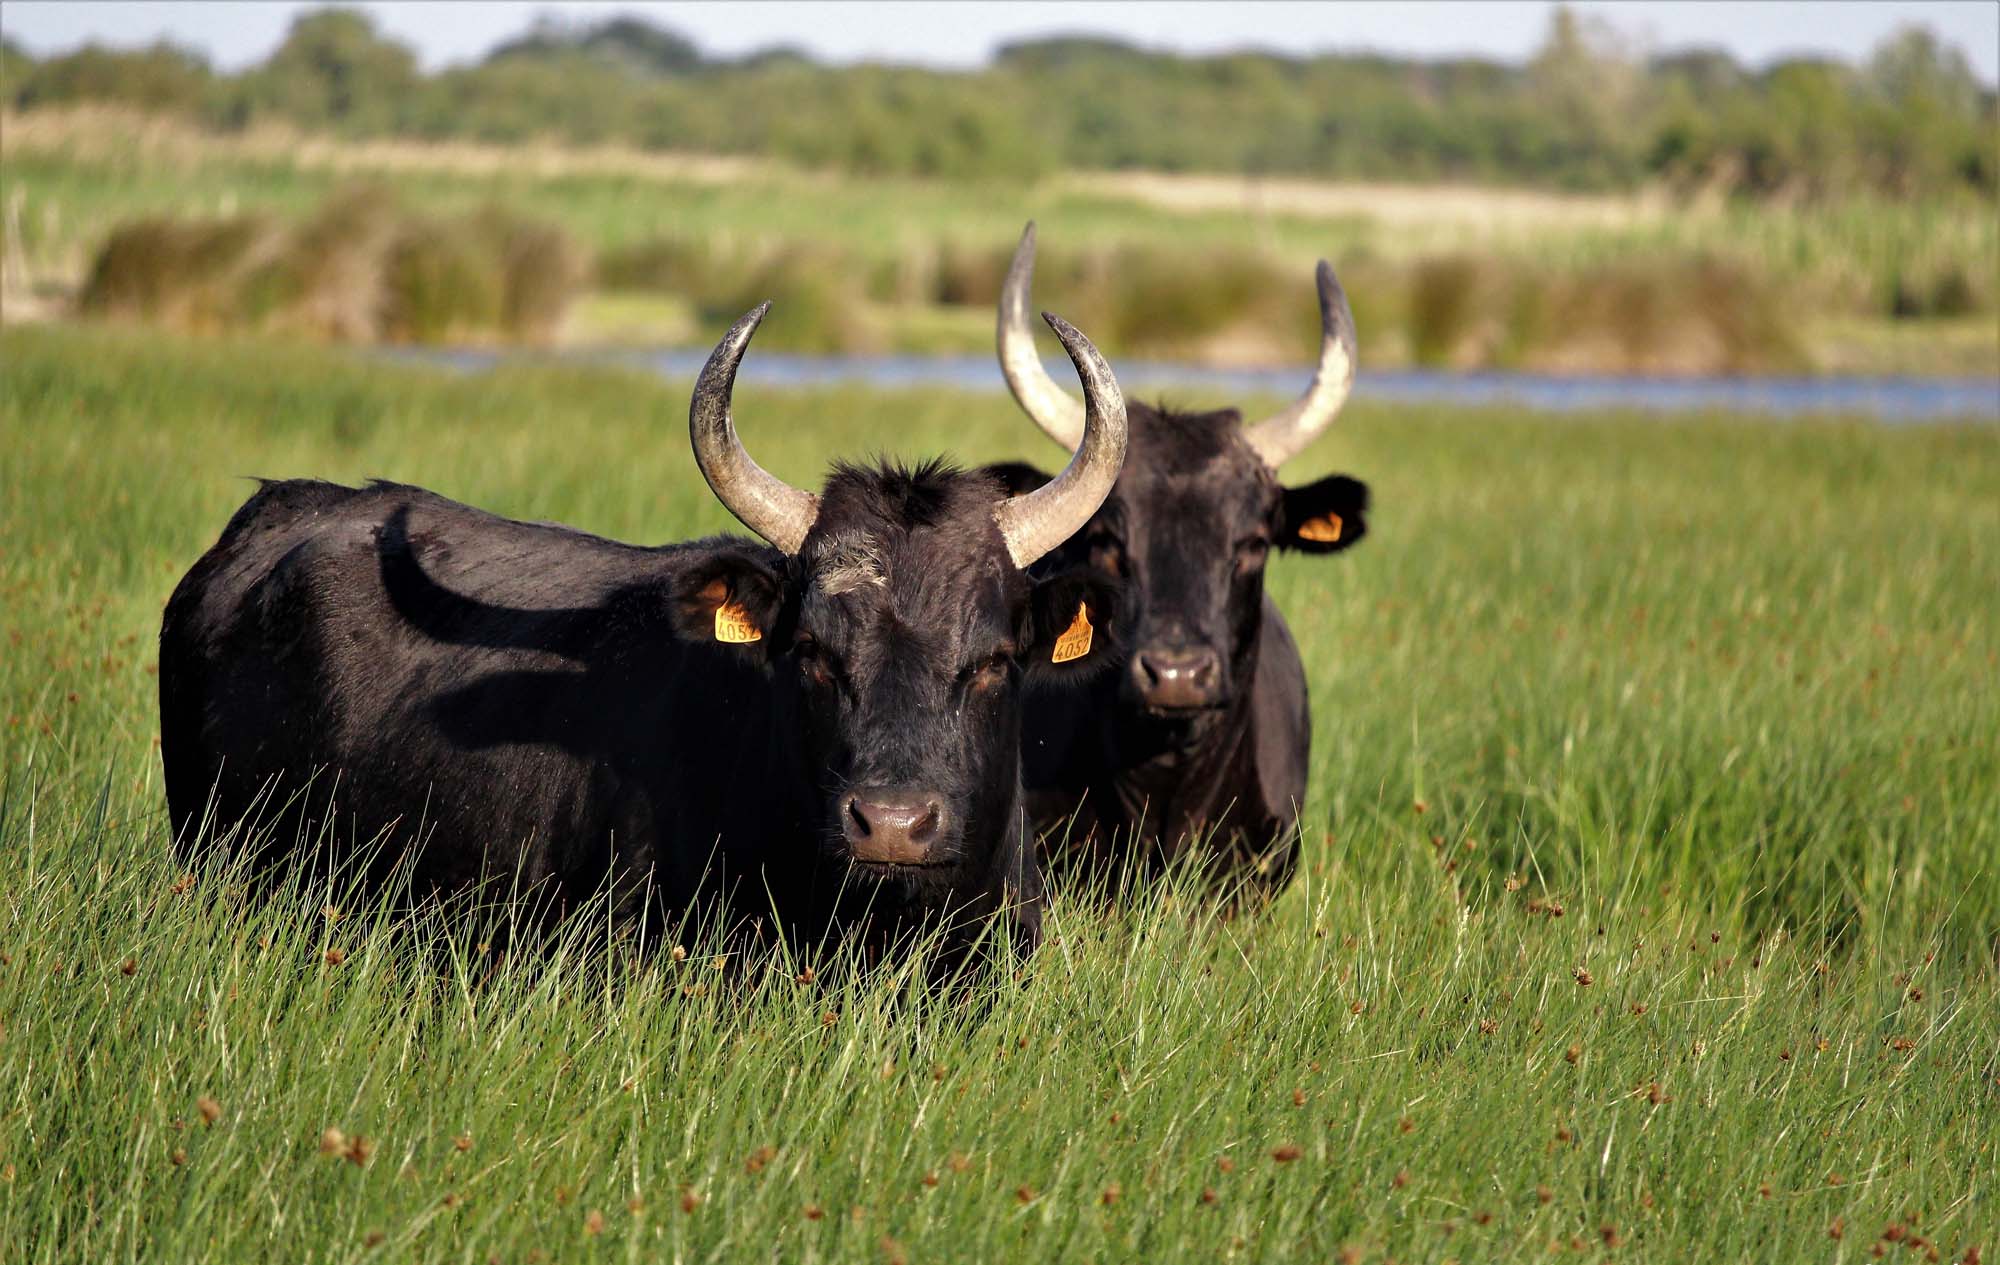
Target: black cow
x=1205 y=734
x=824 y=732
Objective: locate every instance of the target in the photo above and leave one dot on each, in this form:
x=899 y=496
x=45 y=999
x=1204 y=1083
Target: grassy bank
x=1648 y=908
x=1205 y=268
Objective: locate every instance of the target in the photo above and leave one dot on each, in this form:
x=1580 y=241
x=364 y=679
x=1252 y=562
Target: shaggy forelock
x=848 y=561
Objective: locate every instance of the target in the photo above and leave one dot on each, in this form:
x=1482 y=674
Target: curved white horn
x=1279 y=438
x=766 y=504
x=1046 y=404
x=1039 y=521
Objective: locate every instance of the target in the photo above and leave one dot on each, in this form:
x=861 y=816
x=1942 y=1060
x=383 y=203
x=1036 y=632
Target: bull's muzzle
x=892 y=827
x=1178 y=679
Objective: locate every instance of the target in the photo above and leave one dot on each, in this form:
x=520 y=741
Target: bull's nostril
x=858 y=817
x=926 y=828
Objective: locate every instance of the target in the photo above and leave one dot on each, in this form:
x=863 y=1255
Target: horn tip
x=1063 y=328
x=1335 y=314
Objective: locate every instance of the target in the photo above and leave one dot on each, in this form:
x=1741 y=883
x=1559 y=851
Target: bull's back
x=352 y=663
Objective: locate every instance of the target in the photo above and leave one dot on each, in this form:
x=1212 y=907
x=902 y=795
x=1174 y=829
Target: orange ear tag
x=1075 y=641
x=1324 y=530
x=732 y=625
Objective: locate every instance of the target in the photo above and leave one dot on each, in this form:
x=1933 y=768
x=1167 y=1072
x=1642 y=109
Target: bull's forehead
x=1197 y=473
x=926 y=588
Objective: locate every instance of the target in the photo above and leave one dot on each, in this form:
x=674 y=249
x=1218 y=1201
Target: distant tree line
x=1584 y=113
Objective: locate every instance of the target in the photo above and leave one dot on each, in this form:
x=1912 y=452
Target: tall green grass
x=1648 y=909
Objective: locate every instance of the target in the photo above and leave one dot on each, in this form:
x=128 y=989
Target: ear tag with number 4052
x=733 y=625
x=1075 y=641
x=1323 y=530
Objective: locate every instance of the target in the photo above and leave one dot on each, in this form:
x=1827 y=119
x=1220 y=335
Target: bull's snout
x=892 y=827
x=1178 y=679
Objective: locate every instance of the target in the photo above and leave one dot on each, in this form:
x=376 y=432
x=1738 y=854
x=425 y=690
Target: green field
x=1649 y=912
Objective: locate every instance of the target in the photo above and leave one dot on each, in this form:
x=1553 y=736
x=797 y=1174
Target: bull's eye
x=1106 y=550
x=990 y=673
x=1251 y=552
x=812 y=663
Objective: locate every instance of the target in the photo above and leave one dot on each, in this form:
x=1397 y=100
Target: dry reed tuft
x=362 y=268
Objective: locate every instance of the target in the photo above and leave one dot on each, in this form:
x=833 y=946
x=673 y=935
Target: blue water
x=1886 y=399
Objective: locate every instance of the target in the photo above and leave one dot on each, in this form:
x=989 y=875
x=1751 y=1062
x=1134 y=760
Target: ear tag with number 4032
x=733 y=625
x=1075 y=641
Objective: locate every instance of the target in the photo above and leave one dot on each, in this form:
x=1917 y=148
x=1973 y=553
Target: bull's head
x=1197 y=509
x=900 y=620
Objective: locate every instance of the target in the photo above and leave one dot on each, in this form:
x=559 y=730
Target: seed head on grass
x=1286 y=1152
x=593 y=1222
x=1024 y=1193
x=1110 y=1194
x=335 y=956
x=463 y=1142
x=130 y=966
x=814 y=1212
x=690 y=1200
x=211 y=1110
x=332 y=1141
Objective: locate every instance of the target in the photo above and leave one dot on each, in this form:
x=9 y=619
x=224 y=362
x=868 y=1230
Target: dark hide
x=1139 y=769
x=529 y=703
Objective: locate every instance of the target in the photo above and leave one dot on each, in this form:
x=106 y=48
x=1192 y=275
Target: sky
x=959 y=35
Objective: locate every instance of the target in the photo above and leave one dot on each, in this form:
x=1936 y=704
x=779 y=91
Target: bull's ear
x=1325 y=516
x=1074 y=630
x=1017 y=478
x=730 y=591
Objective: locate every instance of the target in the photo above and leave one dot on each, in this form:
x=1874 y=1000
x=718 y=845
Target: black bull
x=823 y=733
x=1204 y=736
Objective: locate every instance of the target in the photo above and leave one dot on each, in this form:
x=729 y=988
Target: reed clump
x=1663 y=315
x=361 y=268
x=1672 y=312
